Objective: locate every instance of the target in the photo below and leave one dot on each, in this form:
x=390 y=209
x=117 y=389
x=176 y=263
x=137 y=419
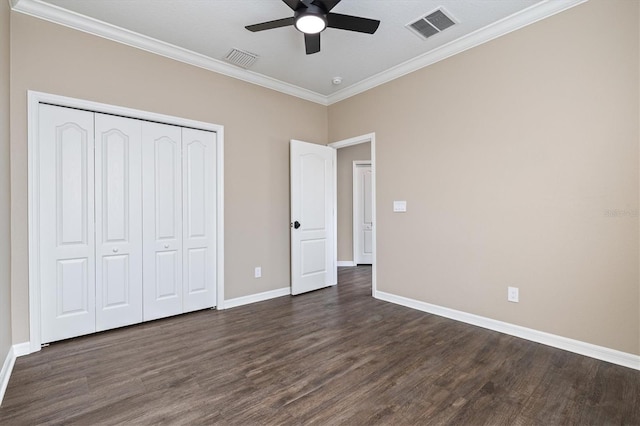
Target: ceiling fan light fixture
x=311 y=23
x=311 y=17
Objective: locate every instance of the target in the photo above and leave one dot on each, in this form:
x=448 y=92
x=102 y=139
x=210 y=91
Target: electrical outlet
x=258 y=272
x=512 y=294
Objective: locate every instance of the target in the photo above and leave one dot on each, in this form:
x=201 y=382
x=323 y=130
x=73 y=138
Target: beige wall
x=258 y=126
x=5 y=211
x=346 y=157
x=519 y=162
x=518 y=159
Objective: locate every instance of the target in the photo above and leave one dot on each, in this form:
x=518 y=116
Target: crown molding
x=58 y=15
x=67 y=18
x=502 y=27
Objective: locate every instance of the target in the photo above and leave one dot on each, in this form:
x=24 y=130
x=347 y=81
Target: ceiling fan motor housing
x=310 y=11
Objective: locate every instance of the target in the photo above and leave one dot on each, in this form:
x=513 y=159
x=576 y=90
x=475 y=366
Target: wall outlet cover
x=399 y=206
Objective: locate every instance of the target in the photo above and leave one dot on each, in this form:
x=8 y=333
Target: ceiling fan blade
x=352 y=23
x=326 y=4
x=293 y=4
x=312 y=43
x=270 y=24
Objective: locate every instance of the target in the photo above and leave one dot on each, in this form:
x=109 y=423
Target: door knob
x=296 y=224
x=115 y=250
x=166 y=246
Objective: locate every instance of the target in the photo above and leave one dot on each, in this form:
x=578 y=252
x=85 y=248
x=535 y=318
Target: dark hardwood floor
x=334 y=356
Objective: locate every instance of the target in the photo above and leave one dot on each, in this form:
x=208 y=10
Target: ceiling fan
x=311 y=17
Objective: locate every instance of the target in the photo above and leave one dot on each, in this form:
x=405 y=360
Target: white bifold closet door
x=179 y=219
x=198 y=219
x=162 y=219
x=66 y=215
x=127 y=221
x=118 y=204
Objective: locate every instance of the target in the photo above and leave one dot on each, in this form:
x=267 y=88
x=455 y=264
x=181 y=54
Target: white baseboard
x=345 y=263
x=258 y=297
x=583 y=348
x=22 y=349
x=5 y=374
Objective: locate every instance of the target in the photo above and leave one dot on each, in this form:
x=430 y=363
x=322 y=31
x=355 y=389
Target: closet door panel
x=162 y=220
x=118 y=169
x=66 y=216
x=199 y=218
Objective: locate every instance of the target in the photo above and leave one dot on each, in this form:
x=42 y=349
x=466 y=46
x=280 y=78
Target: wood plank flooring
x=334 y=356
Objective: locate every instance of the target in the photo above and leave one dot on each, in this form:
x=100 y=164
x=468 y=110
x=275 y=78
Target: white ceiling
x=210 y=28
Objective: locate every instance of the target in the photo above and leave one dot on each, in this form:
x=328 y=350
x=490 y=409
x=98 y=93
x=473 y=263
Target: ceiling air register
x=431 y=24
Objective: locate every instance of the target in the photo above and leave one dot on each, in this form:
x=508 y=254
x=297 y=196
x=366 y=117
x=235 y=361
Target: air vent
x=431 y=24
x=241 y=58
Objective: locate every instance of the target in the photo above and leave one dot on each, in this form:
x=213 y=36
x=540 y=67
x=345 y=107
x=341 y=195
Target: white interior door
x=199 y=219
x=162 y=220
x=66 y=212
x=313 y=187
x=118 y=202
x=362 y=214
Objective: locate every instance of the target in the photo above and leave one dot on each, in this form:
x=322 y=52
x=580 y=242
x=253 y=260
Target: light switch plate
x=399 y=206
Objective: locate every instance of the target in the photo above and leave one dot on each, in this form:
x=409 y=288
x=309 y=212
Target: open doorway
x=361 y=207
x=360 y=149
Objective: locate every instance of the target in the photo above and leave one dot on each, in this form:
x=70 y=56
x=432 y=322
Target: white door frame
x=34 y=100
x=369 y=137
x=354 y=217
